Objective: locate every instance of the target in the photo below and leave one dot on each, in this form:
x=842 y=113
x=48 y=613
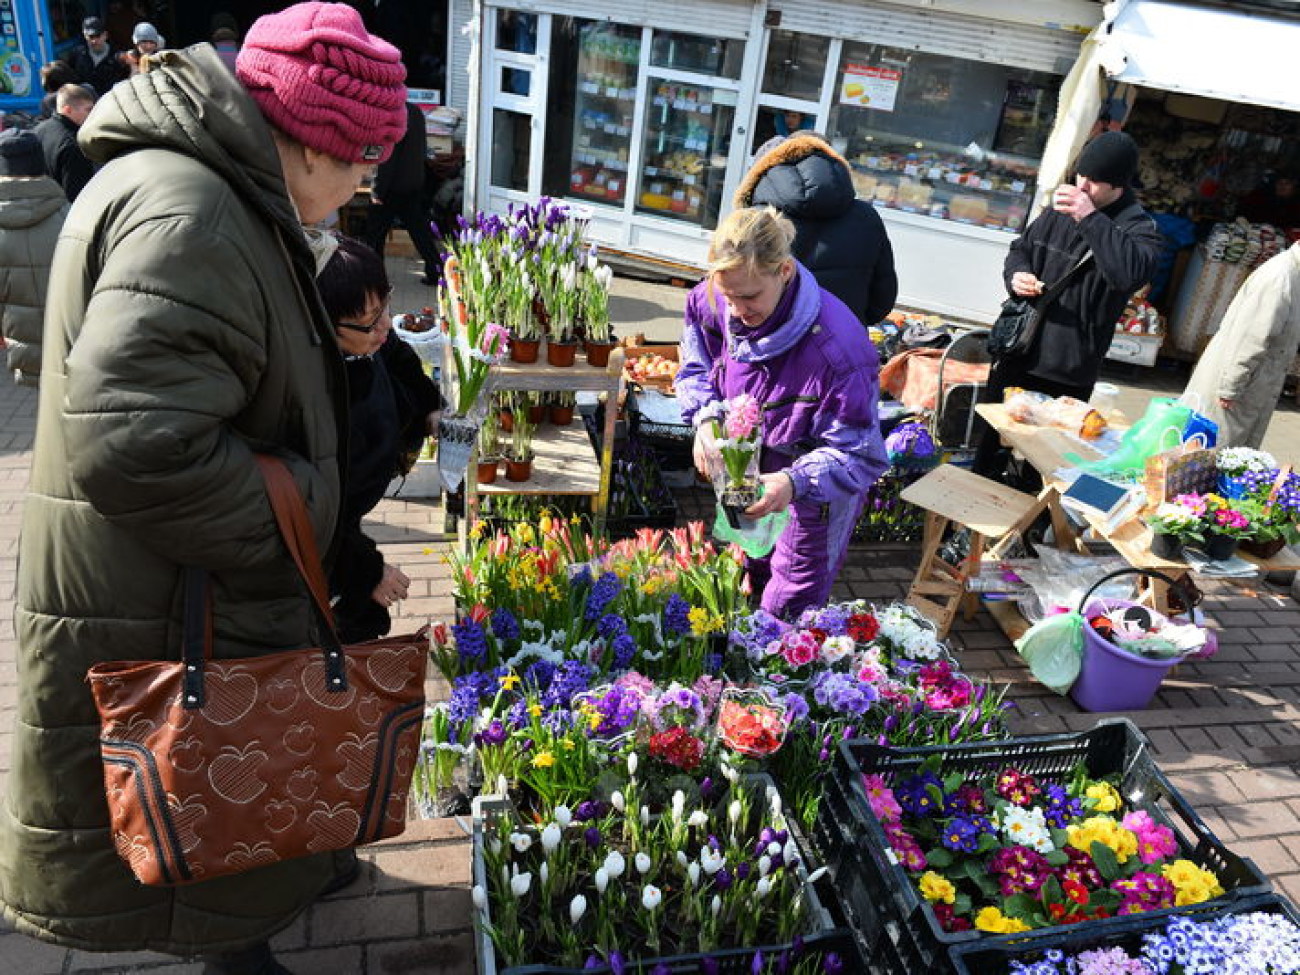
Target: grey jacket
x=185 y=333
x=31 y=215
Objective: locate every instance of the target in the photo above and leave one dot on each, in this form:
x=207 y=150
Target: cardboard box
x=634 y=352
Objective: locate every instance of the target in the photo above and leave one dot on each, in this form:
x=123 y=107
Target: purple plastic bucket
x=1111 y=679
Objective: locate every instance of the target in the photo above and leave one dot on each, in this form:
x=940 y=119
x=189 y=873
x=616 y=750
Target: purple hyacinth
x=602 y=593
x=504 y=625
x=676 y=619
x=471 y=641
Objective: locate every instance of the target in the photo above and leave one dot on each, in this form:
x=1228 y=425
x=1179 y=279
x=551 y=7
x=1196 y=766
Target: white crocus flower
x=577 y=908
x=494 y=845
x=617 y=801
x=544 y=873
x=733 y=810
x=715 y=906
x=631 y=763
x=522 y=842
x=503 y=785
x=791 y=851
x=698 y=818
x=711 y=860
x=520 y=884
x=682 y=859
x=479 y=896
x=693 y=874
x=563 y=816
x=645 y=815
x=679 y=805
x=763 y=887
x=651 y=897
x=764 y=865
x=601 y=880
x=643 y=863
x=615 y=864
x=774 y=849
x=551 y=838
x=816 y=875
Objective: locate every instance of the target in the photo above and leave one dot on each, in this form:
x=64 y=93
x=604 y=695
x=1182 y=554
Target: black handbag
x=1017 y=324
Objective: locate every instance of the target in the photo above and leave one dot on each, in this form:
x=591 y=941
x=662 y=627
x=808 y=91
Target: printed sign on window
x=870 y=87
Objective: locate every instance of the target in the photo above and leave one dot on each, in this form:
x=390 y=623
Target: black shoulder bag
x=1017 y=325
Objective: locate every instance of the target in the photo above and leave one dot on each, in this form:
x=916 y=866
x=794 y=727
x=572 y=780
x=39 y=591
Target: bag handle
x=299 y=537
x=1189 y=596
x=1052 y=293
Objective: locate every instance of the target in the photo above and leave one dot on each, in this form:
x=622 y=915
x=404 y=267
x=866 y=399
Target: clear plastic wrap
x=1062 y=412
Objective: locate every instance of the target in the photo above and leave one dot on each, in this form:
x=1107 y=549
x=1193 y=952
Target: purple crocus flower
x=832 y=964
x=709 y=966
x=592 y=835
x=756 y=966
x=617 y=964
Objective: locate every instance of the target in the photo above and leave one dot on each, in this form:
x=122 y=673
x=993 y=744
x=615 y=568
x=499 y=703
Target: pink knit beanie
x=320 y=77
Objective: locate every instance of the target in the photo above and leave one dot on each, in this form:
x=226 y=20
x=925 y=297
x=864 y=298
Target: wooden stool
x=992 y=512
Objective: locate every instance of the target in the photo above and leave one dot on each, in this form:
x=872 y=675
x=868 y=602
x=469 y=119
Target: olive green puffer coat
x=184 y=332
x=31 y=213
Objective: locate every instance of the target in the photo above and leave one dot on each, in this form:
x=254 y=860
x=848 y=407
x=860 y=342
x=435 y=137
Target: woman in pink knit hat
x=184 y=333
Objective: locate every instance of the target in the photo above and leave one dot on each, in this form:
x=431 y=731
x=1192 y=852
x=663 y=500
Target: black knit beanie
x=20 y=154
x=1111 y=158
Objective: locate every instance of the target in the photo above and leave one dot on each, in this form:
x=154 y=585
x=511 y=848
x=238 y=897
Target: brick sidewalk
x=1227 y=731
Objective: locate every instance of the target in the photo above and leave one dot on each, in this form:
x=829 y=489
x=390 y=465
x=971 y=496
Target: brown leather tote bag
x=215 y=767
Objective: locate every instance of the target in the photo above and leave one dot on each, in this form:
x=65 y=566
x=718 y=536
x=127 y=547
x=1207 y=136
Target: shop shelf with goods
x=688 y=135
x=605 y=101
x=565 y=462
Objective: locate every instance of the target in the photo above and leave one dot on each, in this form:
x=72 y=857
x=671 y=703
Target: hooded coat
x=184 y=334
x=31 y=214
x=1248 y=358
x=838 y=237
x=816 y=375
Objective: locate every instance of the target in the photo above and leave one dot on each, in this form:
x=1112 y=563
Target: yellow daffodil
x=510 y=681
x=535 y=710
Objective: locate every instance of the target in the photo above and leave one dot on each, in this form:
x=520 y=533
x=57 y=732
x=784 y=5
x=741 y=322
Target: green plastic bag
x=756 y=536
x=1053 y=649
x=1160 y=429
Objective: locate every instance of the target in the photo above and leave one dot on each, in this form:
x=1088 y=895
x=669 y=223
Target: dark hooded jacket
x=184 y=333
x=1078 y=325
x=841 y=239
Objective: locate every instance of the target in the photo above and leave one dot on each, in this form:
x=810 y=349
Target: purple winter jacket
x=816 y=376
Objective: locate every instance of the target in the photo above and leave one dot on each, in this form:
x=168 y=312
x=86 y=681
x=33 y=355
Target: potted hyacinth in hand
x=739 y=437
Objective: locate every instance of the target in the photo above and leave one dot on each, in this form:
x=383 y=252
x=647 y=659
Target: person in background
x=185 y=333
x=54 y=76
x=1240 y=375
x=94 y=61
x=789 y=122
x=1274 y=201
x=1096 y=216
x=32 y=208
x=839 y=238
x=392 y=407
x=397 y=194
x=225 y=38
x=760 y=324
x=145 y=41
x=64 y=159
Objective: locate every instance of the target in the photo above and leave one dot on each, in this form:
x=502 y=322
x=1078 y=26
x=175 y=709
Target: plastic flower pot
x=487 y=470
x=561 y=416
x=518 y=470
x=1219 y=547
x=1262 y=550
x=1166 y=546
x=598 y=352
x=561 y=353
x=525 y=350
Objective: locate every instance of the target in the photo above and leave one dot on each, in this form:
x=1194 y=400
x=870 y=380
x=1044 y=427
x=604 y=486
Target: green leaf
x=936 y=797
x=939 y=858
x=953 y=782
x=1057 y=858
x=988 y=843
x=961 y=904
x=1020 y=905
x=1051 y=892
x=1059 y=837
x=1104 y=857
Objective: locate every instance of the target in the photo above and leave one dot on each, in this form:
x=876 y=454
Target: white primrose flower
x=651 y=897
x=836 y=648
x=601 y=880
x=693 y=874
x=520 y=884
x=563 y=816
x=522 y=842
x=551 y=838
x=615 y=864
x=617 y=801
x=479 y=896
x=711 y=860
x=577 y=908
x=643 y=863
x=1027 y=827
x=763 y=887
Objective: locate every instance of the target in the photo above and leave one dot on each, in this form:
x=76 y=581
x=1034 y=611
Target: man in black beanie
x=1098 y=235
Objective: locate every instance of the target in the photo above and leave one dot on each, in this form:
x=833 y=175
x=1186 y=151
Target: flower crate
x=996 y=957
x=887 y=912
x=821 y=934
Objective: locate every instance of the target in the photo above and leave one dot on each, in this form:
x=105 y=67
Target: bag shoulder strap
x=296 y=528
x=1055 y=290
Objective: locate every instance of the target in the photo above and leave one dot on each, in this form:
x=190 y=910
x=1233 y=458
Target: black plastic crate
x=883 y=904
x=995 y=958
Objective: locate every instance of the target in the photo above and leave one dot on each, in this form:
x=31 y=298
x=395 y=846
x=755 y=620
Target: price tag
x=935 y=173
x=1017 y=186
x=688 y=180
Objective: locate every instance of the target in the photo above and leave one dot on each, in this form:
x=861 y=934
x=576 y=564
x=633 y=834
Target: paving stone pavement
x=1226 y=730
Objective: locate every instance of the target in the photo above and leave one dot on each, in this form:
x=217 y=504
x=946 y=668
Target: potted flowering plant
x=489 y=450
x=1223 y=522
x=739 y=437
x=476 y=346
x=560 y=407
x=1172 y=525
x=519 y=455
x=594 y=282
x=1241 y=470
x=518 y=294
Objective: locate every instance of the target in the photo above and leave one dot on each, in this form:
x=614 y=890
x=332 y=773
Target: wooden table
x=1046 y=449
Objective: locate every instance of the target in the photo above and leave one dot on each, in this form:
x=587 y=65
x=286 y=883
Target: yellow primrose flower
x=1192 y=884
x=1104 y=830
x=1107 y=799
x=993 y=920
x=543 y=760
x=936 y=888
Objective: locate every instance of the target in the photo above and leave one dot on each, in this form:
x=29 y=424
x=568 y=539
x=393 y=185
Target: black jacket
x=64 y=159
x=102 y=76
x=841 y=239
x=1078 y=326
x=389 y=397
x=401 y=175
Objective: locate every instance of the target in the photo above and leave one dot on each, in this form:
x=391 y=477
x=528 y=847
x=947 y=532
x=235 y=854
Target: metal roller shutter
x=956 y=35
x=460 y=14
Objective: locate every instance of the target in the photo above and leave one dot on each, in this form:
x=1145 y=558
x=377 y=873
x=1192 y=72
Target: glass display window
x=609 y=59
x=795 y=65
x=687 y=138
x=719 y=57
x=948 y=137
x=516 y=31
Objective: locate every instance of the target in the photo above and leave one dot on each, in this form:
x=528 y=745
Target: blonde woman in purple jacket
x=759 y=324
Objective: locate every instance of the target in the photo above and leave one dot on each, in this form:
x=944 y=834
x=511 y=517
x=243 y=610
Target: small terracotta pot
x=561 y=353
x=505 y=421
x=536 y=414
x=487 y=471
x=598 y=352
x=524 y=350
x=561 y=416
x=518 y=470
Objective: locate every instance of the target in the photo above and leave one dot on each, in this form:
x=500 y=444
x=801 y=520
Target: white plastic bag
x=1053 y=649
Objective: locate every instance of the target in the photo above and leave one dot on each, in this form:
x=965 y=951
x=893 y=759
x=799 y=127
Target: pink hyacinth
x=742 y=417
x=494 y=339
